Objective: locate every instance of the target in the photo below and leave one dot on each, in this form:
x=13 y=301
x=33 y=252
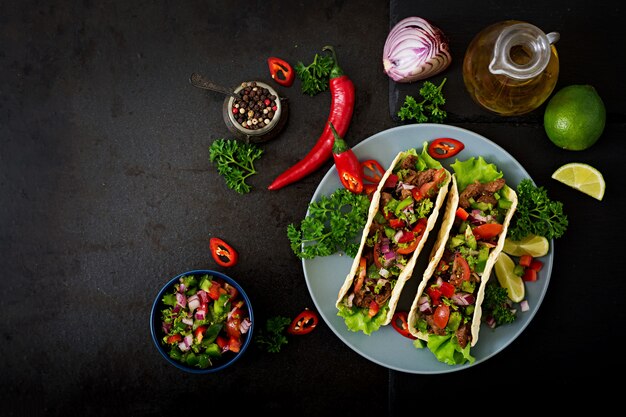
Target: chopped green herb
x=428 y=110
x=235 y=162
x=536 y=214
x=272 y=336
x=496 y=305
x=332 y=224
x=315 y=76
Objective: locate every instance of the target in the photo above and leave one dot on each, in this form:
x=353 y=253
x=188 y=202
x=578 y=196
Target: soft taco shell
x=437 y=253
x=406 y=273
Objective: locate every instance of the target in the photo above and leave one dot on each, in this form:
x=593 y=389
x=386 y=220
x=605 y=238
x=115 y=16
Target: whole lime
x=574 y=118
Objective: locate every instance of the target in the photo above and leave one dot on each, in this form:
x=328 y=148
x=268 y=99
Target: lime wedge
x=506 y=277
x=533 y=245
x=582 y=177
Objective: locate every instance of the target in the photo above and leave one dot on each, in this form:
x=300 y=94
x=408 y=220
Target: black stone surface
x=107 y=192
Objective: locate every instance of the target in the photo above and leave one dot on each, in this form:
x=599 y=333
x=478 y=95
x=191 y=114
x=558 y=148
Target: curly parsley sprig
x=427 y=110
x=314 y=77
x=536 y=214
x=272 y=337
x=235 y=162
x=332 y=224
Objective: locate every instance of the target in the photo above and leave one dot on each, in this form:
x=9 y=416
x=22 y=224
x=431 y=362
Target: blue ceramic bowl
x=228 y=358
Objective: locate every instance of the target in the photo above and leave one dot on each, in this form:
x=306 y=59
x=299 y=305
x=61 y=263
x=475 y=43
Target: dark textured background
x=107 y=192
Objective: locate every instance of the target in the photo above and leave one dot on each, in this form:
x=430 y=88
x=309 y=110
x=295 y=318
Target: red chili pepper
x=444 y=148
x=281 y=71
x=304 y=323
x=375 y=167
x=399 y=321
x=341 y=108
x=347 y=164
x=222 y=252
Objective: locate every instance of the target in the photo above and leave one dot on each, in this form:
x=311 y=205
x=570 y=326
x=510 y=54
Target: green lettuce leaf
x=357 y=319
x=424 y=160
x=447 y=350
x=474 y=169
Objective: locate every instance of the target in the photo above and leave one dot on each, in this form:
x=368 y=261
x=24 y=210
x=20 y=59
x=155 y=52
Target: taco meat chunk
x=482 y=193
x=378 y=290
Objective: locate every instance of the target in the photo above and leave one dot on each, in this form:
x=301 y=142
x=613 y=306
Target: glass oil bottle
x=511 y=67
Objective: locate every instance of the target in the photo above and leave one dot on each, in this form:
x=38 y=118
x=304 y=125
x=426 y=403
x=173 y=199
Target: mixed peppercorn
x=256 y=106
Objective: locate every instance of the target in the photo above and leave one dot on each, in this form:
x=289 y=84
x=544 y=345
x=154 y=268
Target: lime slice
x=533 y=245
x=507 y=278
x=581 y=177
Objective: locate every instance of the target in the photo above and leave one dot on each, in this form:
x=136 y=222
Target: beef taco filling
x=406 y=200
x=447 y=305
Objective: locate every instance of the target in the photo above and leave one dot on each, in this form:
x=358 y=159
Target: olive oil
x=511 y=67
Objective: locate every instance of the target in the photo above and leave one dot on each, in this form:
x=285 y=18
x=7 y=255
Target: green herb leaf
x=427 y=110
x=272 y=337
x=536 y=214
x=333 y=223
x=496 y=305
x=235 y=162
x=315 y=76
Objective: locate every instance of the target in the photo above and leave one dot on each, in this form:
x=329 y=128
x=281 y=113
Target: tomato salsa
x=204 y=320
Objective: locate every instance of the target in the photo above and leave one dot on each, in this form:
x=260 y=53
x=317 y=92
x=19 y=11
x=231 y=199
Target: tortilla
x=406 y=273
x=438 y=251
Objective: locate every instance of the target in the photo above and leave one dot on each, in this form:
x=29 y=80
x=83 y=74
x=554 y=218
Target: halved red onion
x=415 y=50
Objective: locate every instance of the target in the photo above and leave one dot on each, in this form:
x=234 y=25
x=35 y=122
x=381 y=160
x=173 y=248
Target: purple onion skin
x=415 y=50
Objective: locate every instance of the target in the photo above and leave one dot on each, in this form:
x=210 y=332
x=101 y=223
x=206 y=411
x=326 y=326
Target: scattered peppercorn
x=256 y=106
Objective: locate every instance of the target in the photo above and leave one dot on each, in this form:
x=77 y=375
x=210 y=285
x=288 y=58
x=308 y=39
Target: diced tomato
x=447 y=289
x=525 y=260
x=231 y=290
x=406 y=237
x=175 y=338
x=417 y=196
x=232 y=327
x=199 y=333
x=374 y=308
x=461 y=213
x=222 y=342
x=529 y=275
x=441 y=316
x=391 y=181
x=435 y=295
x=396 y=223
x=536 y=265
x=400 y=323
x=430 y=188
x=234 y=344
x=377 y=255
x=417 y=231
x=361 y=278
x=461 y=268
x=487 y=231
x=215 y=290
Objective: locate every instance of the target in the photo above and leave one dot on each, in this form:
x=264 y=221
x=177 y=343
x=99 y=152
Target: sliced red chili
x=348 y=167
x=304 y=323
x=376 y=169
x=399 y=321
x=281 y=71
x=444 y=148
x=222 y=252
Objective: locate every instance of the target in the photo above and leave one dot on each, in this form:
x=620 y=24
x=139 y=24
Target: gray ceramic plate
x=325 y=275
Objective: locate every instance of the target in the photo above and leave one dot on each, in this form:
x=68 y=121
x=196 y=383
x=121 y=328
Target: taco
x=446 y=311
x=404 y=209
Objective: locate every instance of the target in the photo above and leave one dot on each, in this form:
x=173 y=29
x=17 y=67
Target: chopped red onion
x=390 y=256
x=463 y=298
x=245 y=325
x=204 y=297
x=188 y=321
x=193 y=302
x=183 y=346
x=415 y=50
x=524 y=306
x=383 y=273
x=181 y=300
x=398 y=235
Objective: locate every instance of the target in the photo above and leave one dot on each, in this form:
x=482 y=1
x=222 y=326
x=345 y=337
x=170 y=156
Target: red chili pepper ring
x=444 y=148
